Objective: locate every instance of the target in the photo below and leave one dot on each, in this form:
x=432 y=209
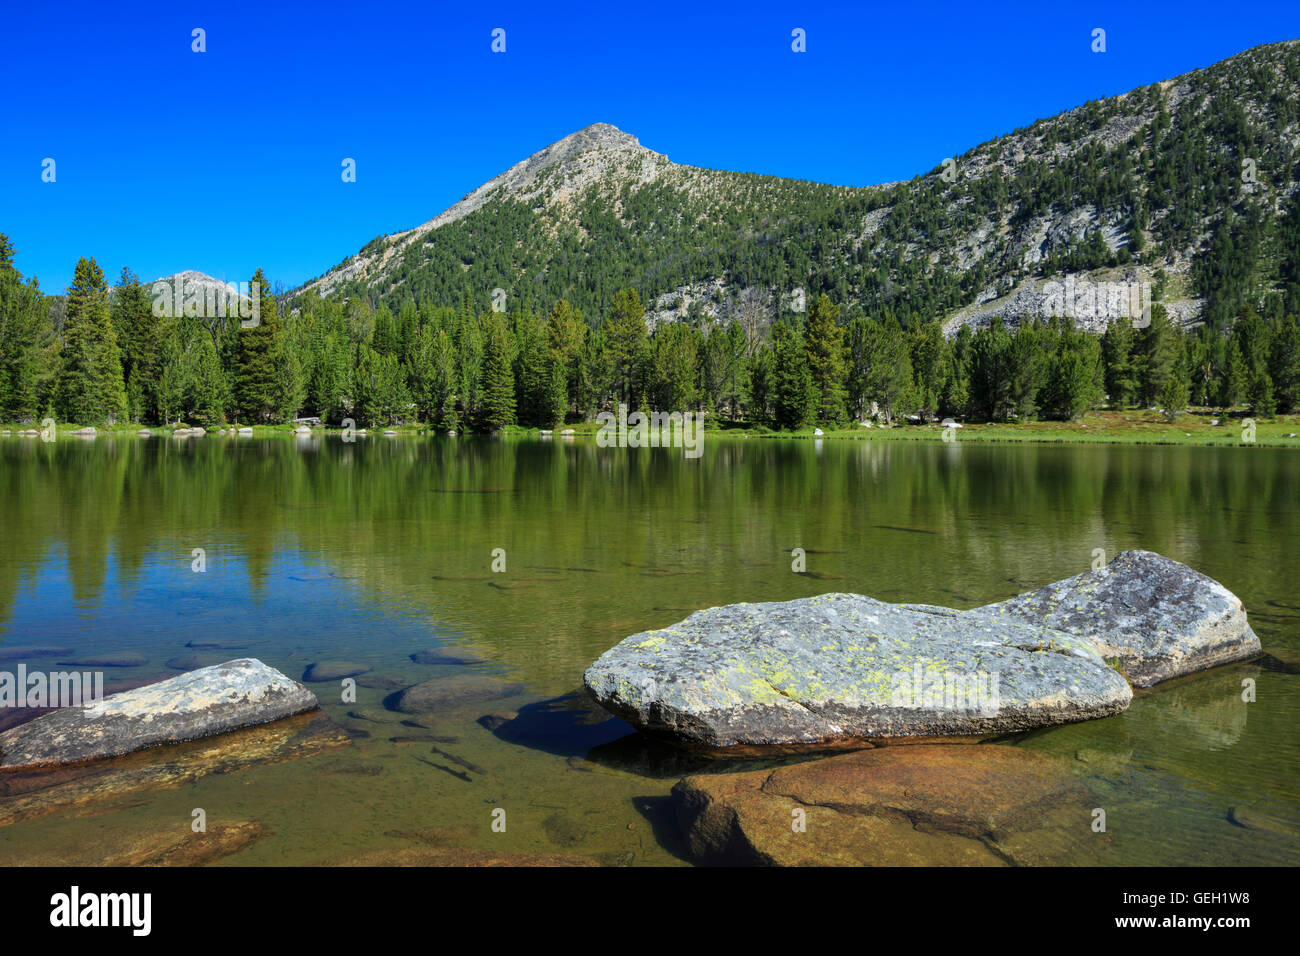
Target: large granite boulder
x=920 y=805
x=842 y=666
x=211 y=700
x=1156 y=618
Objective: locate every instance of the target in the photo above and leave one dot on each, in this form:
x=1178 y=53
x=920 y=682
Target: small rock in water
x=497 y=720
x=448 y=692
x=562 y=830
x=333 y=670
x=381 y=682
x=106 y=660
x=32 y=651
x=1281 y=660
x=445 y=656
x=192 y=662
x=1262 y=818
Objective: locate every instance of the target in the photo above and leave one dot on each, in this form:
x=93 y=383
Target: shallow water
x=374 y=550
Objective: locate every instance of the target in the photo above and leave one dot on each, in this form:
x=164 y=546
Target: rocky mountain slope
x=1188 y=185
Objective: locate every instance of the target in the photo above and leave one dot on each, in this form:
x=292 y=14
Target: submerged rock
x=26 y=794
x=333 y=670
x=844 y=666
x=147 y=844
x=200 y=703
x=192 y=662
x=450 y=856
x=1155 y=617
x=920 y=805
x=444 y=693
x=31 y=651
x=1281 y=660
x=106 y=660
x=446 y=656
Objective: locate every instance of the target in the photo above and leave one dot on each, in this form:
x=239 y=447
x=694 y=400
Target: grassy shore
x=1137 y=426
x=1144 y=427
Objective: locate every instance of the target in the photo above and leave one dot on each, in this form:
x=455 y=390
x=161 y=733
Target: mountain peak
x=554 y=175
x=598 y=134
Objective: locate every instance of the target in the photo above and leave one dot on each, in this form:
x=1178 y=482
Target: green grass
x=1137 y=426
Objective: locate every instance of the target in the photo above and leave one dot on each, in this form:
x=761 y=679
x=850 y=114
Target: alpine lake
x=523 y=559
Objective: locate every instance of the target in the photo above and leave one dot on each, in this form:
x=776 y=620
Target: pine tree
x=625 y=337
x=207 y=395
x=824 y=342
x=1284 y=363
x=136 y=327
x=1173 y=395
x=930 y=364
x=28 y=348
x=1156 y=351
x=498 y=407
x=1074 y=374
x=1117 y=355
x=533 y=374
x=381 y=395
x=1027 y=360
x=90 y=388
x=758 y=397
x=990 y=389
x=674 y=366
x=257 y=382
x=567 y=334
x=793 y=394
x=956 y=394
x=1232 y=379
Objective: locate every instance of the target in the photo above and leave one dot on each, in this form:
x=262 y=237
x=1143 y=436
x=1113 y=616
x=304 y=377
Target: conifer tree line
x=100 y=356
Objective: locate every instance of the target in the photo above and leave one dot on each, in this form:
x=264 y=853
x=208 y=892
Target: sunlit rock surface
x=916 y=805
x=844 y=666
x=839 y=667
x=200 y=703
x=1156 y=617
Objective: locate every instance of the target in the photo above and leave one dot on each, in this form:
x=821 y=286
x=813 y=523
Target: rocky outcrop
x=211 y=700
x=842 y=666
x=1156 y=618
x=921 y=805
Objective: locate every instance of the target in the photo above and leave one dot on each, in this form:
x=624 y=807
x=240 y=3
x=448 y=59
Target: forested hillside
x=598 y=272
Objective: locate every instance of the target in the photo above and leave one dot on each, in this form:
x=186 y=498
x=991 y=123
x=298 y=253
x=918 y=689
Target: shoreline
x=1137 y=427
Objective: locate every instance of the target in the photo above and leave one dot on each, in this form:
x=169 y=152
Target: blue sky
x=229 y=160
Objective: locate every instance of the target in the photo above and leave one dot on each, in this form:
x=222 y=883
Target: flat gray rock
x=201 y=703
x=844 y=666
x=1156 y=618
